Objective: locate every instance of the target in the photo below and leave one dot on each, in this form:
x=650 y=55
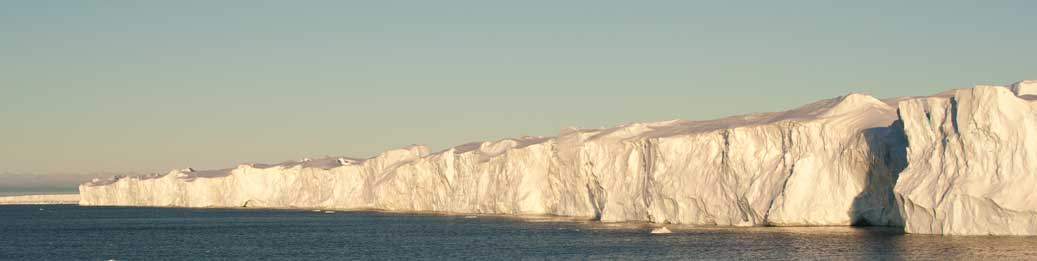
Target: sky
x=97 y=88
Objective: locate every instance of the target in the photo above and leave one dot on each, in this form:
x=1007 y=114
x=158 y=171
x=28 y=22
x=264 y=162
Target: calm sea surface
x=63 y=232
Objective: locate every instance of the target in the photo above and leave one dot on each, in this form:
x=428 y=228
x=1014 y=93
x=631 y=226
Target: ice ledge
x=1022 y=88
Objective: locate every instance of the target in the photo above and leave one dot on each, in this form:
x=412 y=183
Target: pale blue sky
x=142 y=86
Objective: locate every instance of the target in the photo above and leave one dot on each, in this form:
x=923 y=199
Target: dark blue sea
x=68 y=232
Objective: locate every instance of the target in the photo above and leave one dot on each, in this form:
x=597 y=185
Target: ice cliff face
x=816 y=165
x=834 y=162
x=973 y=163
x=40 y=199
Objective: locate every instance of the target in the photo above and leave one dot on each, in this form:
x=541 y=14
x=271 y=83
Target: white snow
x=833 y=162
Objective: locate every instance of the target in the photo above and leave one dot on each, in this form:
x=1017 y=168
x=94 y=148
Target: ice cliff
x=973 y=163
x=958 y=163
x=39 y=199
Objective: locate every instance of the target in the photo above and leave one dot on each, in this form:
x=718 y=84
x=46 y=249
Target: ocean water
x=68 y=232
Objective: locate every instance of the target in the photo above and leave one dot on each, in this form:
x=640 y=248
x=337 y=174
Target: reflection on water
x=68 y=232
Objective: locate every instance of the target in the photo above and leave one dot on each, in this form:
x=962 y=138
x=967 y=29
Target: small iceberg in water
x=661 y=230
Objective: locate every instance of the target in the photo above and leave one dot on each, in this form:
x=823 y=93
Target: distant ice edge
x=961 y=162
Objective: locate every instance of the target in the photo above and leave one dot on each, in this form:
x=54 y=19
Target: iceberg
x=973 y=163
x=849 y=160
x=661 y=230
x=40 y=199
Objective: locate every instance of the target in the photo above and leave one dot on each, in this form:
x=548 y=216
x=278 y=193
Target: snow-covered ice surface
x=833 y=162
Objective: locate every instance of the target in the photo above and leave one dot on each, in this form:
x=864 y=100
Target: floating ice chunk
x=661 y=230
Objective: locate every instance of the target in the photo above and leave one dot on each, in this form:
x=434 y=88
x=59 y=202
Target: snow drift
x=833 y=162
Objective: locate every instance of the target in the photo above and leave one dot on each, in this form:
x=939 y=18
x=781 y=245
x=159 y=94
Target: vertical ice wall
x=973 y=164
x=816 y=165
x=959 y=163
